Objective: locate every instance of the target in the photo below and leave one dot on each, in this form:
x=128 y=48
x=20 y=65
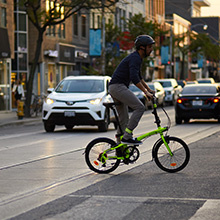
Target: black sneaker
x=131 y=141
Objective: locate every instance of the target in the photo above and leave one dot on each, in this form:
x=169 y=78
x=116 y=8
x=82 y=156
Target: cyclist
x=129 y=71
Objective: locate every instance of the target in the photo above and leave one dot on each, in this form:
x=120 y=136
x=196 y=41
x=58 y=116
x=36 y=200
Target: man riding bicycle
x=129 y=71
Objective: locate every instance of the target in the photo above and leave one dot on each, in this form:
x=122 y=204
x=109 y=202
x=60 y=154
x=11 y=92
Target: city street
x=44 y=175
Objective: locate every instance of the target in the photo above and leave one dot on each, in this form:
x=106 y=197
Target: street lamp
x=205 y=26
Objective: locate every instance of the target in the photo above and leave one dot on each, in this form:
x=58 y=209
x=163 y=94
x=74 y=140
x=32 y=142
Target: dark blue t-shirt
x=128 y=70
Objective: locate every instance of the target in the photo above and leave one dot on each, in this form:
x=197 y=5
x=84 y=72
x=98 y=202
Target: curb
x=20 y=122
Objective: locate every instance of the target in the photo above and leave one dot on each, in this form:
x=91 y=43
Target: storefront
x=5 y=71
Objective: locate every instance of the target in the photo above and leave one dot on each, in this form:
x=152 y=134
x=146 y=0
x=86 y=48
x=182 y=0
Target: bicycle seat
x=110 y=104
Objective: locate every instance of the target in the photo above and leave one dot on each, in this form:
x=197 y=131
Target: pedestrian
x=129 y=70
x=18 y=91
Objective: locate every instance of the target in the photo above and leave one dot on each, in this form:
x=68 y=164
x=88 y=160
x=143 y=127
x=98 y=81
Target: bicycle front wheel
x=175 y=162
x=94 y=155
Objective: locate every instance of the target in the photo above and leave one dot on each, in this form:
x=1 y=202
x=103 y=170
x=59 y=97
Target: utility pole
x=103 y=38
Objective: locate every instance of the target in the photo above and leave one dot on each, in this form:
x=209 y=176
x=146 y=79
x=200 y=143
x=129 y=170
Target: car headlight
x=95 y=101
x=49 y=101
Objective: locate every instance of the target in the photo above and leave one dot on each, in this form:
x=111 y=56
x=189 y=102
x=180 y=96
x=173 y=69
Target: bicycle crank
x=131 y=154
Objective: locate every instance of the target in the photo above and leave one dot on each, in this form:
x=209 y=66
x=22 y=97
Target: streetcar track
x=43 y=158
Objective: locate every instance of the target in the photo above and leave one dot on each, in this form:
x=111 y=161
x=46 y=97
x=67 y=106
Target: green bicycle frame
x=159 y=130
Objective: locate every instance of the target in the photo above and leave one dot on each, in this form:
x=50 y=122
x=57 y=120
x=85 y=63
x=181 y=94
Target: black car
x=198 y=101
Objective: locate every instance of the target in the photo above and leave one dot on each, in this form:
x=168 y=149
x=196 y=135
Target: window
x=51 y=31
x=61 y=32
x=22 y=22
x=99 y=21
x=75 y=24
x=83 y=20
x=3 y=17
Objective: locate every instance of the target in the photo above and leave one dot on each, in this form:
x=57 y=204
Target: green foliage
x=202 y=44
x=136 y=25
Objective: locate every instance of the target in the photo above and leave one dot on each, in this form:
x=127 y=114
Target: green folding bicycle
x=171 y=154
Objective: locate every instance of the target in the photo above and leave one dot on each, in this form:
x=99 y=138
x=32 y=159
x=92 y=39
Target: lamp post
x=204 y=27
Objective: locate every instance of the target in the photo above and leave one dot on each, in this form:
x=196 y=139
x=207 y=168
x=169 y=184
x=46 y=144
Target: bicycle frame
x=159 y=130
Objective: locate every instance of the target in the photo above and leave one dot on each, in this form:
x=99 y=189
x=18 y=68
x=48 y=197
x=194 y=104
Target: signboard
x=95 y=47
x=66 y=53
x=164 y=55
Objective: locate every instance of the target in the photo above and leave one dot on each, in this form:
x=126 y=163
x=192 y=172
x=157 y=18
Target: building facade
x=6 y=52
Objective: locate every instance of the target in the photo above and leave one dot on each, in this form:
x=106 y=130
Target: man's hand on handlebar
x=149 y=95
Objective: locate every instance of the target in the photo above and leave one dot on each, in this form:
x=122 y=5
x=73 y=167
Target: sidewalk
x=8 y=118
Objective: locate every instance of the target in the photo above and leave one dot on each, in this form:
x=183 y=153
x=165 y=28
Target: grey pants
x=120 y=93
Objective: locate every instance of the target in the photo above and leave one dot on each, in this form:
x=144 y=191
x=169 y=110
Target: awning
x=4 y=44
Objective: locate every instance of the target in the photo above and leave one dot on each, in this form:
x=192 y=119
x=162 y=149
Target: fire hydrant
x=20 y=110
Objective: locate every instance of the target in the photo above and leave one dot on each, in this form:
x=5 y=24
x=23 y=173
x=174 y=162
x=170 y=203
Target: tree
x=202 y=44
x=41 y=17
x=137 y=25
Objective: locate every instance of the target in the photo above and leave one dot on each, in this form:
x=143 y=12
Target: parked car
x=191 y=82
x=138 y=93
x=77 y=100
x=172 y=89
x=198 y=101
x=206 y=80
x=159 y=93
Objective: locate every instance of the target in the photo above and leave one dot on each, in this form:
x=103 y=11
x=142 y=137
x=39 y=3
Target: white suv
x=78 y=100
x=172 y=89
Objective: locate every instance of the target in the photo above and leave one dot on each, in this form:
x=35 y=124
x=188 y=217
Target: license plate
x=197 y=102
x=69 y=114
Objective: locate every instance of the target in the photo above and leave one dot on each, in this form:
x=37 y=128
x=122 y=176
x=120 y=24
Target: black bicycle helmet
x=143 y=40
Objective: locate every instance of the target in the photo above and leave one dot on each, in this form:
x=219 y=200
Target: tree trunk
x=32 y=73
x=183 y=67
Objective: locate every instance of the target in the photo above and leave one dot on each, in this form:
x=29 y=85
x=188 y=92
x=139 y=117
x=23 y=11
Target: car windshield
x=199 y=90
x=165 y=83
x=81 y=86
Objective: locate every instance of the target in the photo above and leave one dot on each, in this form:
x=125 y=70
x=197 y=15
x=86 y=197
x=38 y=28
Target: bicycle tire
x=165 y=161
x=93 y=152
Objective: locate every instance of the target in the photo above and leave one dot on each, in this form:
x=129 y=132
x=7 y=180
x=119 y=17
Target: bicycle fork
x=165 y=140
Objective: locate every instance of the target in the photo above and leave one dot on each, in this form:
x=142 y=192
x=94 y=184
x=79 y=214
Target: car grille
x=79 y=119
x=70 y=108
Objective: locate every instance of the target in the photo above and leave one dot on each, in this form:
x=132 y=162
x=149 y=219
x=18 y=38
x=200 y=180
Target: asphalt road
x=146 y=192
x=44 y=176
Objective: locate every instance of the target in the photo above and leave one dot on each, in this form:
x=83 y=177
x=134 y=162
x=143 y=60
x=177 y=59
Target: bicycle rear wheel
x=94 y=152
x=177 y=161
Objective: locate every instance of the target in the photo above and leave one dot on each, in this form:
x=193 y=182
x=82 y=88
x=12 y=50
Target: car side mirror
x=50 y=90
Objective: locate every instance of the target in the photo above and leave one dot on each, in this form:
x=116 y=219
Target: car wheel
x=49 y=127
x=103 y=126
x=178 y=120
x=69 y=127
